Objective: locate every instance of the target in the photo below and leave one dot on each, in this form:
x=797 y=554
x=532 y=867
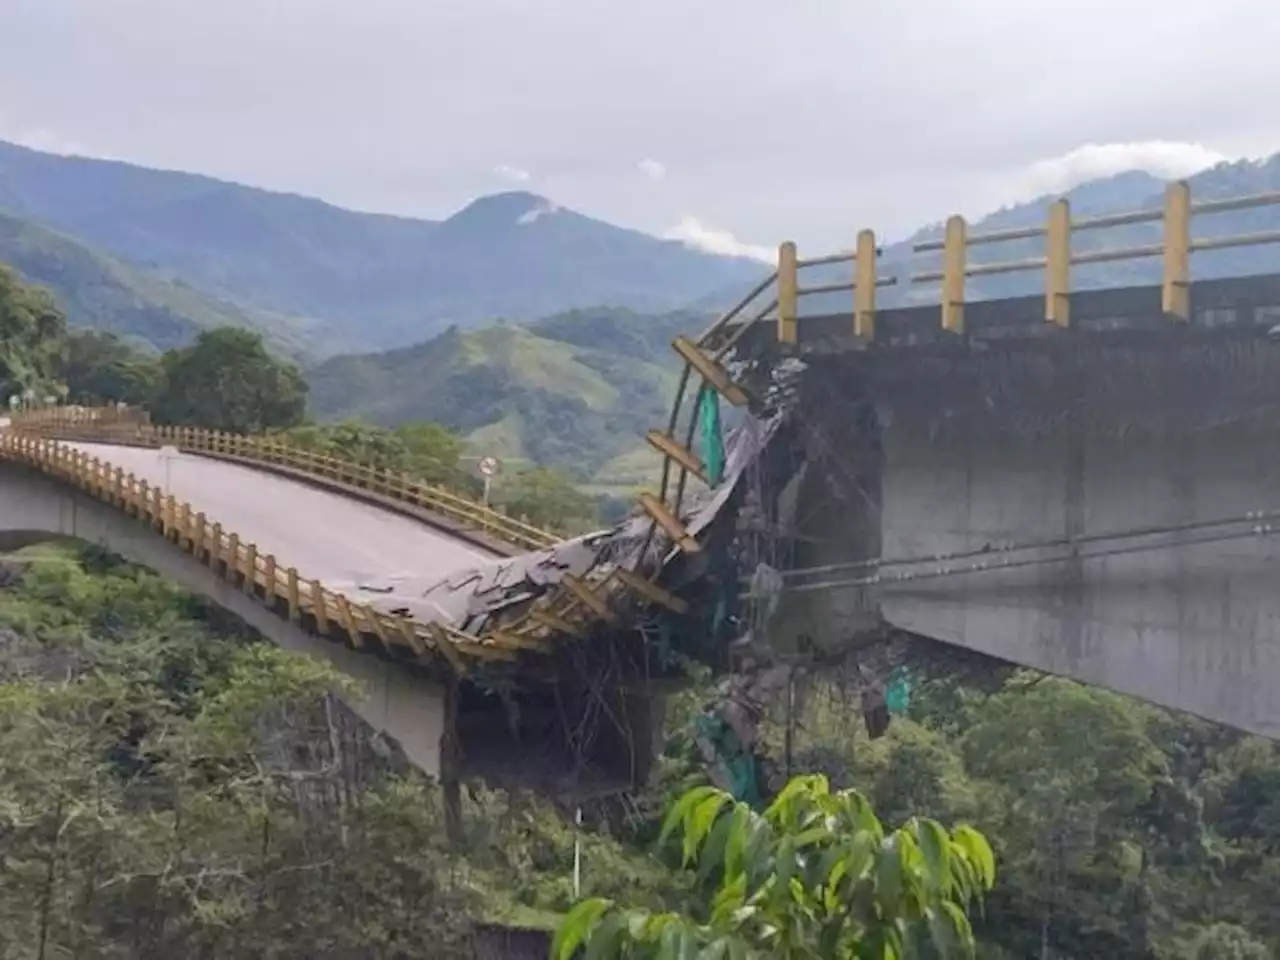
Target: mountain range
x=346 y=279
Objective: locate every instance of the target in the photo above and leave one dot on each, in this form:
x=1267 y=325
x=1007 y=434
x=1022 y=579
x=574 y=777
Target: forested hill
x=575 y=390
x=377 y=280
x=142 y=307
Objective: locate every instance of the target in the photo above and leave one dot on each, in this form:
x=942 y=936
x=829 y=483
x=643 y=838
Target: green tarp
x=897 y=695
x=710 y=440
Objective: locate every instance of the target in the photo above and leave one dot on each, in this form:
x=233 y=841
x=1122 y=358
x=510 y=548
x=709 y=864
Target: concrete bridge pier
x=560 y=734
x=1139 y=482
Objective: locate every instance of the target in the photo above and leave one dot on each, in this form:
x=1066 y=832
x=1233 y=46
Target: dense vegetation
x=173 y=787
x=1121 y=830
x=170 y=786
x=31 y=335
x=227 y=381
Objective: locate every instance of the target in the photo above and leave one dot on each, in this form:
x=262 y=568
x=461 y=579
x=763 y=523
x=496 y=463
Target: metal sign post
x=167 y=455
x=489 y=467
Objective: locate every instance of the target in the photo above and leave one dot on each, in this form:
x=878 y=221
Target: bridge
x=1081 y=481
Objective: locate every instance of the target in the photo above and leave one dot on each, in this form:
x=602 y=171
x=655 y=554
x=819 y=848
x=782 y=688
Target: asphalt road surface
x=328 y=537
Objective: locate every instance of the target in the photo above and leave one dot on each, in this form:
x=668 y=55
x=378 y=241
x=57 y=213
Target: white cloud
x=48 y=141
x=655 y=170
x=536 y=213
x=1162 y=158
x=514 y=174
x=692 y=232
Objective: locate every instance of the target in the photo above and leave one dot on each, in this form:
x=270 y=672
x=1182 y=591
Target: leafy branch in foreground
x=815 y=876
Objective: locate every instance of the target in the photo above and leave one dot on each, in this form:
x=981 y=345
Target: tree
x=32 y=329
x=99 y=367
x=426 y=451
x=228 y=381
x=547 y=498
x=1070 y=768
x=1225 y=941
x=814 y=876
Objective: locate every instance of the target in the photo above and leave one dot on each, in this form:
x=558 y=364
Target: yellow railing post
x=318 y=609
x=788 y=294
x=295 y=602
x=864 y=286
x=269 y=578
x=250 y=567
x=1057 y=265
x=1176 y=293
x=953 y=270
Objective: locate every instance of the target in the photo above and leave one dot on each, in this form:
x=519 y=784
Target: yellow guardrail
x=566 y=610
x=1176 y=247
x=110 y=425
x=286 y=592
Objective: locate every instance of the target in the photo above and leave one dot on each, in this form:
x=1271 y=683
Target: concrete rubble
x=469 y=599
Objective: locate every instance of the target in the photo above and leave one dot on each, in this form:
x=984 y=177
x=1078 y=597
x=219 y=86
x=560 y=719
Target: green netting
x=739 y=765
x=897 y=695
x=710 y=440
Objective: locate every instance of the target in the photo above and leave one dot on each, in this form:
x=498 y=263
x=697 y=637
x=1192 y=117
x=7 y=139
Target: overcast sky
x=733 y=122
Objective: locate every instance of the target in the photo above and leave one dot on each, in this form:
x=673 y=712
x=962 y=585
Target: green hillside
x=101 y=293
x=576 y=390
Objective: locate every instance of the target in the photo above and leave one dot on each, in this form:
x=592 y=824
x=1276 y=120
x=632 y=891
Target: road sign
x=489 y=466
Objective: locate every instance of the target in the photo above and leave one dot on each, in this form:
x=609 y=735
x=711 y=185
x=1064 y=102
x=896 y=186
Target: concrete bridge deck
x=338 y=540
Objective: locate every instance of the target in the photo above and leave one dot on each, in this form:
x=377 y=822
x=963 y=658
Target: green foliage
x=228 y=381
x=1121 y=830
x=1225 y=941
x=547 y=498
x=815 y=875
x=100 y=368
x=31 y=334
x=425 y=451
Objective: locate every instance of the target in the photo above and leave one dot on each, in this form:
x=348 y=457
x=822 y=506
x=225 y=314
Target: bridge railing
x=1176 y=246
x=130 y=426
x=305 y=602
